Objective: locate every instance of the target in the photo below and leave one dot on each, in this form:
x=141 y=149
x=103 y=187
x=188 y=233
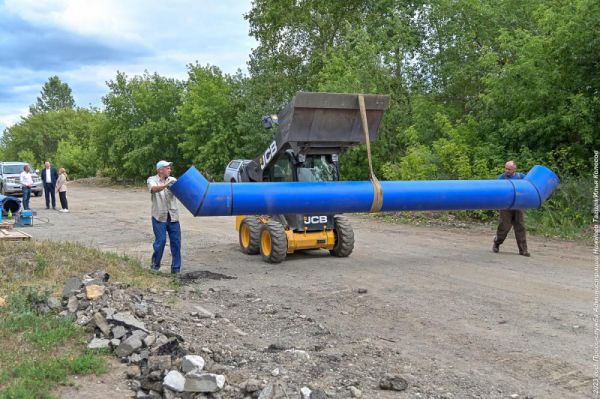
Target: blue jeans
x=26 y=196
x=160 y=239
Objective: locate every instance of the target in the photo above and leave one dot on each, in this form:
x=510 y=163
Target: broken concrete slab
x=192 y=363
x=98 y=343
x=71 y=287
x=128 y=346
x=119 y=332
x=204 y=382
x=73 y=304
x=102 y=324
x=159 y=362
x=129 y=320
x=174 y=380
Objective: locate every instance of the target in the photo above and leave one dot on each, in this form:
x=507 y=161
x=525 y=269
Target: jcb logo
x=315 y=219
x=268 y=155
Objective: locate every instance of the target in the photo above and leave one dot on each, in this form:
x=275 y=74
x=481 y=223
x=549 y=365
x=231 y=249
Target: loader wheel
x=273 y=242
x=250 y=236
x=344 y=237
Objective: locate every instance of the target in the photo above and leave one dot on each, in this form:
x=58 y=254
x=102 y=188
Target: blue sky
x=85 y=43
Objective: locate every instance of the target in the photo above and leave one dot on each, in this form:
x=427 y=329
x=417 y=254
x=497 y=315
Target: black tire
x=273 y=242
x=344 y=237
x=249 y=236
x=37 y=193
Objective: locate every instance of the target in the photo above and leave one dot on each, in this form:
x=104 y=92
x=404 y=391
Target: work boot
x=495 y=247
x=523 y=248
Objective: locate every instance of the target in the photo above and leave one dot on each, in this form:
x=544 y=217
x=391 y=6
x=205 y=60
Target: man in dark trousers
x=511 y=217
x=49 y=177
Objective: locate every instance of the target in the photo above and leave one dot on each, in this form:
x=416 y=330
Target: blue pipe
x=202 y=198
x=12 y=204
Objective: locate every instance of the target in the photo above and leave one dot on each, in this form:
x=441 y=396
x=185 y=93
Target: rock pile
x=162 y=367
x=177 y=349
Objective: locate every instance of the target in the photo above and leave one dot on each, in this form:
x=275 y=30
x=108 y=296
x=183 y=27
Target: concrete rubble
x=133 y=324
x=166 y=370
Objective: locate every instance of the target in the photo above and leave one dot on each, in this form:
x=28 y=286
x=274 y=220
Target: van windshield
x=12 y=169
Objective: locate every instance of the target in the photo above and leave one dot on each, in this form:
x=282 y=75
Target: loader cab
x=312 y=167
x=318 y=167
x=304 y=168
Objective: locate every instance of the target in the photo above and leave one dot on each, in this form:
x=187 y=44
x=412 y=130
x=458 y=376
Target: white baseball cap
x=162 y=164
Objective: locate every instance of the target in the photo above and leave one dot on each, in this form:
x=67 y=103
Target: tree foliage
x=472 y=82
x=55 y=96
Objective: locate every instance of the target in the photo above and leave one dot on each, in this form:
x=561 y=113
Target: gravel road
x=441 y=310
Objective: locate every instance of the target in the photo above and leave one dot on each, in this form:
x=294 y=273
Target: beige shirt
x=164 y=202
x=61 y=184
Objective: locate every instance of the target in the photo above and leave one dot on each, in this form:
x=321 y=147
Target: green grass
x=35 y=378
x=37 y=351
x=40 y=351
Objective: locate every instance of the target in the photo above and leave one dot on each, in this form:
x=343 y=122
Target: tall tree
x=141 y=125
x=208 y=116
x=55 y=95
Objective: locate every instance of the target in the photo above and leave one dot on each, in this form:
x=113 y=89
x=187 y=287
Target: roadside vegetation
x=566 y=215
x=39 y=350
x=472 y=83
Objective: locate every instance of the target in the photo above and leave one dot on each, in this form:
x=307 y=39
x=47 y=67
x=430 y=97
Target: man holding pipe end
x=165 y=217
x=511 y=217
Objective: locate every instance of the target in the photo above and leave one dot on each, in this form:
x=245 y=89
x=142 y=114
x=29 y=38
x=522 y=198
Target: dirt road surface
x=441 y=310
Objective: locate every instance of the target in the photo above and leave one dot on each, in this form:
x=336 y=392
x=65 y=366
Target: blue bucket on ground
x=26 y=218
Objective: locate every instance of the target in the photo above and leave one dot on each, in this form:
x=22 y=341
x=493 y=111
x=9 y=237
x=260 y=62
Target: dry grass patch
x=48 y=264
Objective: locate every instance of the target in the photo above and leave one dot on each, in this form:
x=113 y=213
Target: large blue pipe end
x=12 y=204
x=544 y=180
x=190 y=189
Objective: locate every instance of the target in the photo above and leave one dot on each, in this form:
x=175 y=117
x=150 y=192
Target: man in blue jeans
x=165 y=217
x=26 y=184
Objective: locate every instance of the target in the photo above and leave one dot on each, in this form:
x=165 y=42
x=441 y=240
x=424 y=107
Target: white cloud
x=9 y=119
x=167 y=36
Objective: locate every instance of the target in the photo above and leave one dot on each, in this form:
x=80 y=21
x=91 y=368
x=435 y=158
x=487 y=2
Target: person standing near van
x=61 y=189
x=26 y=183
x=49 y=178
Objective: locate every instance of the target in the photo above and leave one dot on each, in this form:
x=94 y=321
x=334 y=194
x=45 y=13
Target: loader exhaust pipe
x=202 y=198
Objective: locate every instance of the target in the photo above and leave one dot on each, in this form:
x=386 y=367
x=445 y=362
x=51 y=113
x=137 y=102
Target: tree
x=208 y=115
x=55 y=95
x=141 y=125
x=47 y=135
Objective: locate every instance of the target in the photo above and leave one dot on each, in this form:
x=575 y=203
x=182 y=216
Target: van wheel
x=37 y=193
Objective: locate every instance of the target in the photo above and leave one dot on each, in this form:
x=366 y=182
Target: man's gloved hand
x=170 y=181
